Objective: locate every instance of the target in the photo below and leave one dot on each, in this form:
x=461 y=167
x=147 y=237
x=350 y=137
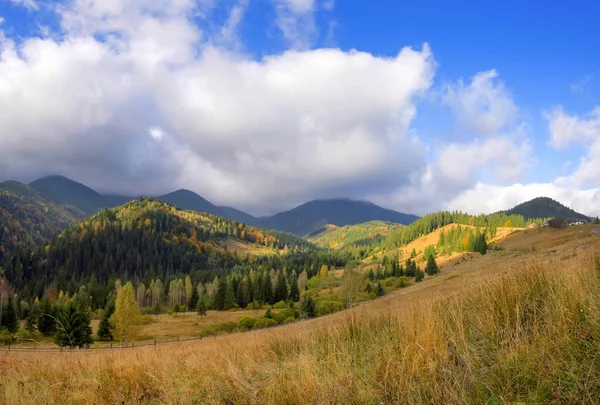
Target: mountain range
x=72 y=201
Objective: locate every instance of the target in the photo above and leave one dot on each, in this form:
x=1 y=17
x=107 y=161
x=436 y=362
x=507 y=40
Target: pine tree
x=46 y=320
x=193 y=301
x=309 y=307
x=281 y=290
x=268 y=289
x=201 y=307
x=73 y=325
x=9 y=317
x=229 y=296
x=105 y=328
x=220 y=294
x=294 y=290
x=380 y=291
x=419 y=275
x=126 y=318
x=432 y=267
x=30 y=322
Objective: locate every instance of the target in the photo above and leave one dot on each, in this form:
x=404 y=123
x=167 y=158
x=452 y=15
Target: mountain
x=66 y=191
x=367 y=233
x=26 y=221
x=240 y=216
x=314 y=215
x=544 y=207
x=188 y=200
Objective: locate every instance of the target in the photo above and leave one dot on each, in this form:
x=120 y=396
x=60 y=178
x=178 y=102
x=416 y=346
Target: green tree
x=126 y=318
x=281 y=290
x=193 y=301
x=221 y=294
x=432 y=267
x=597 y=221
x=105 y=328
x=201 y=307
x=73 y=325
x=419 y=275
x=380 y=291
x=309 y=307
x=30 y=322
x=229 y=296
x=46 y=320
x=9 y=317
x=294 y=290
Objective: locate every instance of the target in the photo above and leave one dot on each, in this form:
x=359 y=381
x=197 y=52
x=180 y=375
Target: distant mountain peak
x=545 y=207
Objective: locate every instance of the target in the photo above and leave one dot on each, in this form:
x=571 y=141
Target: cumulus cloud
x=484 y=105
x=566 y=129
x=484 y=198
x=28 y=4
x=258 y=134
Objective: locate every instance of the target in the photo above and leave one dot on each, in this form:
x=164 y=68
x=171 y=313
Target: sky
x=266 y=104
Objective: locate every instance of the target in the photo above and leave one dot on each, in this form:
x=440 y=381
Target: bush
x=254 y=305
x=328 y=307
x=289 y=320
x=264 y=323
x=282 y=315
x=147 y=319
x=389 y=282
x=402 y=282
x=280 y=305
x=6 y=337
x=246 y=323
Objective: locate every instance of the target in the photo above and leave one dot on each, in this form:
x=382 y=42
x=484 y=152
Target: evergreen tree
x=9 y=317
x=268 y=289
x=281 y=290
x=193 y=301
x=294 y=290
x=380 y=290
x=419 y=275
x=73 y=325
x=221 y=294
x=309 y=307
x=201 y=307
x=105 y=328
x=30 y=322
x=597 y=221
x=229 y=296
x=46 y=319
x=432 y=267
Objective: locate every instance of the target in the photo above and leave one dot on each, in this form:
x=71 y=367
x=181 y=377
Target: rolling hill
x=66 y=191
x=544 y=207
x=314 y=215
x=367 y=233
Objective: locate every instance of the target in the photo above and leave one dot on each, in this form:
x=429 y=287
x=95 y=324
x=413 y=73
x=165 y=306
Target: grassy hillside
x=518 y=325
x=544 y=207
x=314 y=215
x=368 y=233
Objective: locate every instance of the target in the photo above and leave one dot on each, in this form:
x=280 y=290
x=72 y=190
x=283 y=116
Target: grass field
x=518 y=325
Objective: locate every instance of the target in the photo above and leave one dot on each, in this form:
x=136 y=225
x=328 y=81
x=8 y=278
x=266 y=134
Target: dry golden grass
x=503 y=332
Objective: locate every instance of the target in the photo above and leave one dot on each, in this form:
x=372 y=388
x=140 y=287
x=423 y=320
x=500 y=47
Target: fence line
x=11 y=348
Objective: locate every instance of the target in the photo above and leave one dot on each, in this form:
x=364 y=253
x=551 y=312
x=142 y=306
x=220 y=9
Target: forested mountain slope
x=544 y=207
x=368 y=233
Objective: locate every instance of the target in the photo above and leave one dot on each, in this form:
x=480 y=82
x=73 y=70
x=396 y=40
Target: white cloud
x=580 y=86
x=261 y=135
x=484 y=105
x=28 y=4
x=565 y=129
x=229 y=31
x=328 y=5
x=296 y=20
x=488 y=198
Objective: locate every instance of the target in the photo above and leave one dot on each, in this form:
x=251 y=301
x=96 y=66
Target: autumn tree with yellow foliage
x=127 y=319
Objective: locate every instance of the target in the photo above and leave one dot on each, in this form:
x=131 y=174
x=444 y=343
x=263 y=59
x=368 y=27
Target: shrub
x=6 y=337
x=264 y=323
x=246 y=323
x=402 y=282
x=289 y=320
x=328 y=307
x=280 y=305
x=282 y=315
x=389 y=282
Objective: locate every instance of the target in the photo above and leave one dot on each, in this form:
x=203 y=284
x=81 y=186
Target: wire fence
x=111 y=346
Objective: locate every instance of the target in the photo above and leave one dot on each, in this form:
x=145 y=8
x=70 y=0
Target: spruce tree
x=229 y=296
x=9 y=317
x=309 y=307
x=268 y=289
x=30 y=322
x=281 y=290
x=294 y=290
x=419 y=275
x=380 y=290
x=46 y=319
x=220 y=294
x=105 y=328
x=201 y=307
x=432 y=267
x=73 y=326
x=193 y=299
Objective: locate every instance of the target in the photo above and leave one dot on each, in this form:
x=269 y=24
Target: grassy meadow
x=518 y=325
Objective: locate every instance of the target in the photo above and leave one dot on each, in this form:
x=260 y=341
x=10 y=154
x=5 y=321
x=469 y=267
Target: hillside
x=240 y=216
x=368 y=233
x=314 y=215
x=145 y=239
x=544 y=207
x=456 y=335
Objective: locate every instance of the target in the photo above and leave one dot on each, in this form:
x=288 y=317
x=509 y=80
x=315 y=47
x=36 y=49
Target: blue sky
x=501 y=105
